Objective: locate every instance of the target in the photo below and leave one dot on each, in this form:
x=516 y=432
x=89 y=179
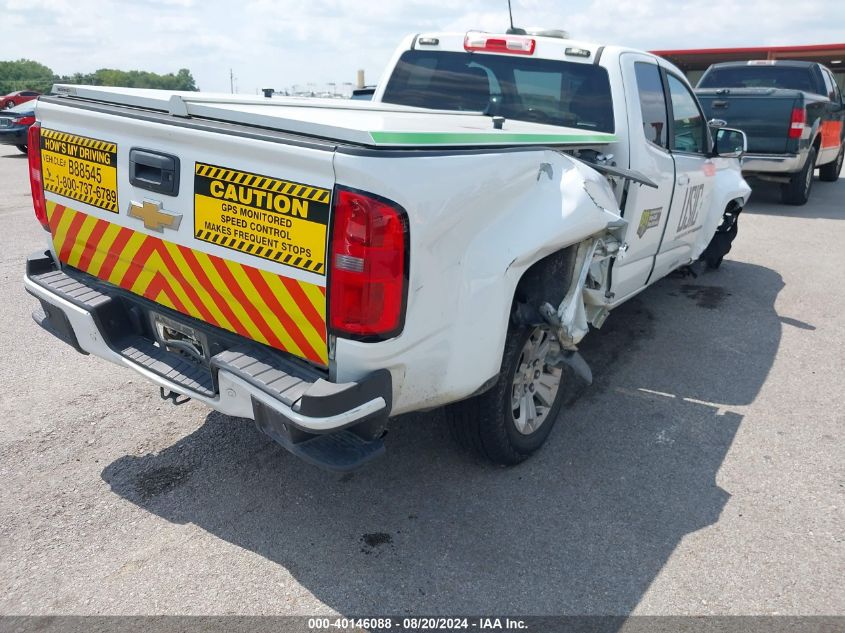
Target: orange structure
x=695 y=61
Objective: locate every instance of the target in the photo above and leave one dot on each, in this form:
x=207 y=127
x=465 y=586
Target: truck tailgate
x=764 y=114
x=239 y=242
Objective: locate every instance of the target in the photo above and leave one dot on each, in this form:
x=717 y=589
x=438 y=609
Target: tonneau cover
x=357 y=122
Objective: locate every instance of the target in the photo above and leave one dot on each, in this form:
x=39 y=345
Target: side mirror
x=730 y=143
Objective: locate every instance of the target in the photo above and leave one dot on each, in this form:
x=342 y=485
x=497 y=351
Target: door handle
x=683 y=179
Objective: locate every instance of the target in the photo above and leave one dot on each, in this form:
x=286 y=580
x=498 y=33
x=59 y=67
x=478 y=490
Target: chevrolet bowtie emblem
x=154 y=217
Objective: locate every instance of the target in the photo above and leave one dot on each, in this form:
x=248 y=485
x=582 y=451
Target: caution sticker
x=266 y=217
x=81 y=168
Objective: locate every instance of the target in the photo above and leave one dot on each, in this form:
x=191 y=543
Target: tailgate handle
x=154 y=171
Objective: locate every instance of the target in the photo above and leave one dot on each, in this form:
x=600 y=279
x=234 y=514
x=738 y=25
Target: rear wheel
x=830 y=172
x=797 y=190
x=22 y=148
x=8 y=104
x=507 y=423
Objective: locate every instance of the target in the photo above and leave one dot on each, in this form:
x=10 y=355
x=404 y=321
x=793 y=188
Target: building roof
x=831 y=55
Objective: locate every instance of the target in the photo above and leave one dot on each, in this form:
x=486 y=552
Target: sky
x=282 y=43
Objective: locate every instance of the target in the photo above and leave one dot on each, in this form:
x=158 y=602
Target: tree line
x=25 y=74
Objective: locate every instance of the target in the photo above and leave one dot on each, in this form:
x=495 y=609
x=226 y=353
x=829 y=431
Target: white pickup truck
x=319 y=266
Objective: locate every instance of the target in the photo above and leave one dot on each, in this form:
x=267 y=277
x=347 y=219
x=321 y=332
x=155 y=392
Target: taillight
x=475 y=41
x=369 y=266
x=796 y=123
x=36 y=183
x=24 y=120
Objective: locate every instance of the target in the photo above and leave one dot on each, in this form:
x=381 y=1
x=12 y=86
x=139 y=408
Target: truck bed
x=237 y=236
x=355 y=122
x=762 y=113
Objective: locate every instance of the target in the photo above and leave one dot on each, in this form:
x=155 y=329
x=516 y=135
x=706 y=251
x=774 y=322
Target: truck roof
x=541 y=46
x=766 y=62
x=544 y=46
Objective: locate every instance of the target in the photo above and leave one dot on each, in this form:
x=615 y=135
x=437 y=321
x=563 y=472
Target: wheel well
x=547 y=279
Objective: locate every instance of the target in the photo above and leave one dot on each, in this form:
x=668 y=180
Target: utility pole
x=231 y=81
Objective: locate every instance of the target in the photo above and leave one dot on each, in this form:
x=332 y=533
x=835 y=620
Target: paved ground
x=702 y=473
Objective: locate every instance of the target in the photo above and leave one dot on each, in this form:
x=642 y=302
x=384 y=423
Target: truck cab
x=659 y=128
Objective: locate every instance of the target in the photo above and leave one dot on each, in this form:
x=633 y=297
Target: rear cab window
x=524 y=89
x=788 y=77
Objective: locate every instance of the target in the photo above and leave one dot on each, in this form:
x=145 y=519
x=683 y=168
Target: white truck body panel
x=469 y=251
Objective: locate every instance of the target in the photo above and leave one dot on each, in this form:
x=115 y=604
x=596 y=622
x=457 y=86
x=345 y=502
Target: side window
x=689 y=133
x=834 y=93
x=828 y=85
x=652 y=103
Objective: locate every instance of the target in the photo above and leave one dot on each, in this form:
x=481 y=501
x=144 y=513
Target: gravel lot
x=701 y=474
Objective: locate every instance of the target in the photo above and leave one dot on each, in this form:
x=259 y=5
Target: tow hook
x=175 y=398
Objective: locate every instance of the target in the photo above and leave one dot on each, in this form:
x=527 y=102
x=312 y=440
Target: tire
x=8 y=104
x=487 y=424
x=713 y=262
x=830 y=172
x=21 y=148
x=722 y=240
x=797 y=190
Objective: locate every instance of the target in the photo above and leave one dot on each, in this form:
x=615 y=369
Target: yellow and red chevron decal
x=284 y=313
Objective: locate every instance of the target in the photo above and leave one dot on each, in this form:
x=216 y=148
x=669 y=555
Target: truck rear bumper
x=337 y=426
x=773 y=163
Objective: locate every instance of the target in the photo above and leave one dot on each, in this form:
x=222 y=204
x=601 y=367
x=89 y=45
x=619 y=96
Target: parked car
x=792 y=113
x=14 y=124
x=321 y=266
x=17 y=98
